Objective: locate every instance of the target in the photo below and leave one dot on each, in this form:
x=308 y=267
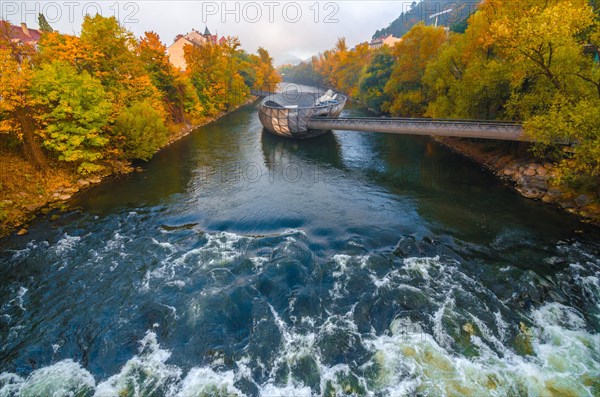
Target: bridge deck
x=453 y=128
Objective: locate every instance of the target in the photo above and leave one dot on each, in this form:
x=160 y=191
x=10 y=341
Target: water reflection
x=354 y=263
x=324 y=150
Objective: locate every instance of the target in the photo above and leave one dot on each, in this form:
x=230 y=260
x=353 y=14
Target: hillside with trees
x=80 y=105
x=534 y=61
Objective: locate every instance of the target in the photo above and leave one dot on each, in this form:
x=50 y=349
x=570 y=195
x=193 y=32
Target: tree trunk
x=32 y=150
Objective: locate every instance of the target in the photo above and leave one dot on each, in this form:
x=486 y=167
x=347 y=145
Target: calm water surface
x=238 y=263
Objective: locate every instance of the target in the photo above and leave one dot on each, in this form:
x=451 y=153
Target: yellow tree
x=236 y=89
x=54 y=46
x=168 y=81
x=17 y=107
x=405 y=87
x=351 y=67
x=542 y=40
x=266 y=76
x=206 y=69
x=328 y=64
x=468 y=79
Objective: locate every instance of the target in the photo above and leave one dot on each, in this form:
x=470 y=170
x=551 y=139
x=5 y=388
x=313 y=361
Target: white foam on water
x=219 y=250
x=62 y=379
x=413 y=358
x=206 y=382
x=291 y=390
x=144 y=374
x=258 y=262
x=65 y=244
x=32 y=245
x=422 y=266
x=164 y=244
x=20 y=295
x=501 y=325
x=343 y=270
x=439 y=330
x=10 y=384
x=293 y=231
x=563 y=361
x=222 y=245
x=385 y=281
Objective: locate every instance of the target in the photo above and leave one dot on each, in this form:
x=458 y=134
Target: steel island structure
x=288 y=113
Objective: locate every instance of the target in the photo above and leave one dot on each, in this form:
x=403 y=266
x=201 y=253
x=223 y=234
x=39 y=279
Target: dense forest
x=534 y=61
x=107 y=95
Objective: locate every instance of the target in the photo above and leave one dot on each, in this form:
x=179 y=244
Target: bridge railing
x=444 y=127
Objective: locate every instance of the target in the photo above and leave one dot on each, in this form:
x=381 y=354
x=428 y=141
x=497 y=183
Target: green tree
x=214 y=71
x=44 y=25
x=143 y=129
x=375 y=78
x=571 y=121
x=75 y=113
x=117 y=63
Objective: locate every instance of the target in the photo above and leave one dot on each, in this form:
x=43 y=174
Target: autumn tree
x=237 y=91
x=267 y=77
x=555 y=85
x=417 y=49
x=542 y=42
x=351 y=67
x=74 y=114
x=17 y=108
x=152 y=53
x=328 y=64
x=372 y=82
x=468 y=79
x=144 y=131
x=206 y=70
x=214 y=71
x=117 y=64
x=54 y=46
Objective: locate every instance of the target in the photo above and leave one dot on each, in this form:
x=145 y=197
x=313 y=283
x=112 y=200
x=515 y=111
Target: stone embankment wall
x=531 y=178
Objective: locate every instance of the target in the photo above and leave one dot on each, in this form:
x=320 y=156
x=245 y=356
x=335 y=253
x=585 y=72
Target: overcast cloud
x=300 y=28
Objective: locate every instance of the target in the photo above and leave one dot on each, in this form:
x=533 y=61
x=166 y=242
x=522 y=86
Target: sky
x=297 y=28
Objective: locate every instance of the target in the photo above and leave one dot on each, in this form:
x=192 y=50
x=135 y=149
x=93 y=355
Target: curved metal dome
x=286 y=114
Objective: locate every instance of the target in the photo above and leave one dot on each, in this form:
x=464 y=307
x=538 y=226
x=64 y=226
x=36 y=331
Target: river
x=238 y=263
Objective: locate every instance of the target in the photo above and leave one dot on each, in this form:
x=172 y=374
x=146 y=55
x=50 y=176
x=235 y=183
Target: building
x=387 y=40
x=20 y=34
x=195 y=38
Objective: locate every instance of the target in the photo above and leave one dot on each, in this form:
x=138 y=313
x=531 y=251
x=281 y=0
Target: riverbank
x=532 y=178
x=28 y=192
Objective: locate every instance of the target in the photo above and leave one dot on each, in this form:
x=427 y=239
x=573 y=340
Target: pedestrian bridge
x=453 y=128
x=482 y=129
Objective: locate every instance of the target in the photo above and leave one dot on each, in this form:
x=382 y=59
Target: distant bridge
x=483 y=129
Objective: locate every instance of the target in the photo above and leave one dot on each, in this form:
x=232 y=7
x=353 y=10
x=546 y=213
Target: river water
x=238 y=263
